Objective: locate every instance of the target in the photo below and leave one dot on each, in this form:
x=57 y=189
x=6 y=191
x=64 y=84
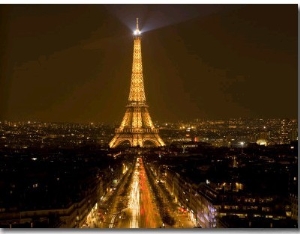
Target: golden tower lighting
x=136 y=126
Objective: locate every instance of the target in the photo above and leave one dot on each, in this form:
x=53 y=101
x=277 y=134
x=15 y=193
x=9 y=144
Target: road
x=141 y=211
x=149 y=215
x=131 y=205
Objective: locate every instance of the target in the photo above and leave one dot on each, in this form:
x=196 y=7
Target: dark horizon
x=72 y=63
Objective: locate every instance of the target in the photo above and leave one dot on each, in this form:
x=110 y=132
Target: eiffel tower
x=136 y=126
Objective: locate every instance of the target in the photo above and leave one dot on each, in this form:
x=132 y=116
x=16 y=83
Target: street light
x=242 y=144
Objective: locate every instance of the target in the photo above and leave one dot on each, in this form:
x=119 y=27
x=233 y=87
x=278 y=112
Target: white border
x=147 y=2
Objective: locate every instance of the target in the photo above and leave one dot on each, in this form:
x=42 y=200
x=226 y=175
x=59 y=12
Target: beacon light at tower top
x=137 y=32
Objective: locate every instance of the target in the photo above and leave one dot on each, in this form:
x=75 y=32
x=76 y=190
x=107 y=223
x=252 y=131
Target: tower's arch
x=149 y=143
x=123 y=143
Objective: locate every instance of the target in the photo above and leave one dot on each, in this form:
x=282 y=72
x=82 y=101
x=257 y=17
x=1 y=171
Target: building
x=137 y=128
x=219 y=195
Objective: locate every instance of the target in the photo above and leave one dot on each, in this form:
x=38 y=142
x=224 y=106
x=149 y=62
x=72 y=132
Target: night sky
x=73 y=62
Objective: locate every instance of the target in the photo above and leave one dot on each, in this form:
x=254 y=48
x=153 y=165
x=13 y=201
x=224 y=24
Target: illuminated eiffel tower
x=136 y=126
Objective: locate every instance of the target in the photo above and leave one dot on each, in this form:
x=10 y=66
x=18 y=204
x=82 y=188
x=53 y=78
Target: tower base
x=136 y=139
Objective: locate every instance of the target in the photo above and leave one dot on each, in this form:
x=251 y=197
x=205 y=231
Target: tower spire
x=137 y=32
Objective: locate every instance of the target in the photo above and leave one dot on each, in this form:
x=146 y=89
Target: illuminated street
x=140 y=202
x=149 y=217
x=134 y=200
x=135 y=213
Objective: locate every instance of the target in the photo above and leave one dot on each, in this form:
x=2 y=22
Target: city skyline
x=211 y=174
x=73 y=63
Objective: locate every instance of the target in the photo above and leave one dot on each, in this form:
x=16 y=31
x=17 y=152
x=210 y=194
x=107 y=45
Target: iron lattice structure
x=136 y=126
